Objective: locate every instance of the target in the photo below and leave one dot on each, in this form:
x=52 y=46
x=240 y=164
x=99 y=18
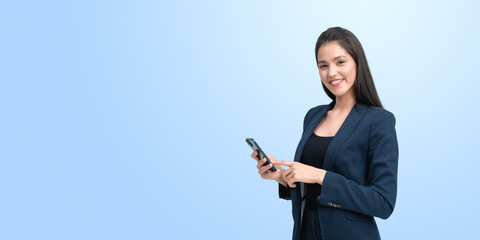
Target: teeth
x=335 y=82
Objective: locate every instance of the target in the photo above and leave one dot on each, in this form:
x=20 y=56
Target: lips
x=336 y=82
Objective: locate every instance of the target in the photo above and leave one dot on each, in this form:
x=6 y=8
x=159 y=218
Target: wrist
x=321 y=176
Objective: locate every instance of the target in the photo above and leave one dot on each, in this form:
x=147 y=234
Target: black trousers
x=310 y=229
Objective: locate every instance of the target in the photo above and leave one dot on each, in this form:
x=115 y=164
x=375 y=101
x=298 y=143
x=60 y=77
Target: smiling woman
x=345 y=167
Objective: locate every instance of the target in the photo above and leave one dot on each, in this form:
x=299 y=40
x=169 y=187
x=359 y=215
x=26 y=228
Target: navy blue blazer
x=361 y=180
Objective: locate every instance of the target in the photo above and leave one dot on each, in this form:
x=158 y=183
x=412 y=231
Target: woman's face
x=337 y=69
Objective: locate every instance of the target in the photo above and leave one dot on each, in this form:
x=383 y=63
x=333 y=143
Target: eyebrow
x=337 y=57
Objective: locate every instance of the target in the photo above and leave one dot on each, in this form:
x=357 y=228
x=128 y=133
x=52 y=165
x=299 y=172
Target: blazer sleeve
x=379 y=196
x=284 y=192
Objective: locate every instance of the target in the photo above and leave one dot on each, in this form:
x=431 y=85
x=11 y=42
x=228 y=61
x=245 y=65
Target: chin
x=337 y=92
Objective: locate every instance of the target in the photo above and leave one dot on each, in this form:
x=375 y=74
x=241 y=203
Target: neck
x=344 y=103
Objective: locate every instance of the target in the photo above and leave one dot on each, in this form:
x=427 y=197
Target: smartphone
x=261 y=154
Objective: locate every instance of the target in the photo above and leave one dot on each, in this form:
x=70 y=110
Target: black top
x=313 y=155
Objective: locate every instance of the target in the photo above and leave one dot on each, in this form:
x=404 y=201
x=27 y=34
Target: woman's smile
x=336 y=82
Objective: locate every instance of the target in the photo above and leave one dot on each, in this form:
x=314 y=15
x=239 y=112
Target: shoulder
x=379 y=115
x=312 y=113
x=314 y=110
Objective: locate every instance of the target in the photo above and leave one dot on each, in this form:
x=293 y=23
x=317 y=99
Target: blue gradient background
x=127 y=120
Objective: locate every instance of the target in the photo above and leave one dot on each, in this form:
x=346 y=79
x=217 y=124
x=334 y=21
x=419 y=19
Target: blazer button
x=330 y=204
x=339 y=206
x=334 y=205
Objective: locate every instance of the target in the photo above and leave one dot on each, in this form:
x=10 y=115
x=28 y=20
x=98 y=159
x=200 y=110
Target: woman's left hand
x=299 y=172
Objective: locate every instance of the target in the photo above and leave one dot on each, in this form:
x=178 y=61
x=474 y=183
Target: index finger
x=285 y=163
x=255 y=155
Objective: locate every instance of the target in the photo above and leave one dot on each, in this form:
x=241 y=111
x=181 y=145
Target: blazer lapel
x=309 y=130
x=342 y=134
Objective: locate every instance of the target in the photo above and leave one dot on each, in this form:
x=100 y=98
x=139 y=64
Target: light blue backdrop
x=127 y=120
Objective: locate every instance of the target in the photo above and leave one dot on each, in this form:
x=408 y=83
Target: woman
x=345 y=167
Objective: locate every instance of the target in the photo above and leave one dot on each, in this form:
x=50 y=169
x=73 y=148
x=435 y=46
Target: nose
x=332 y=72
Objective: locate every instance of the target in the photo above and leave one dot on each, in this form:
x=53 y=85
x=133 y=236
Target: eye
x=322 y=66
x=341 y=62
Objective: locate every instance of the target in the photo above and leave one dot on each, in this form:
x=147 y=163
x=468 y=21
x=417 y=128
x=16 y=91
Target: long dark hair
x=363 y=86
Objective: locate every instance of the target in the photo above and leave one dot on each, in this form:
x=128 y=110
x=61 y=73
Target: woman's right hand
x=264 y=171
